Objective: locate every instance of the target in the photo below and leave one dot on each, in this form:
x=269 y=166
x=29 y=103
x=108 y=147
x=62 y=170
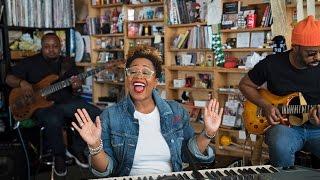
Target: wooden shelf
x=187 y=25
x=190 y=68
x=246 y=30
x=248 y=50
x=191 y=89
x=235 y=151
x=231 y=70
x=145 y=4
x=110 y=82
x=108 y=5
x=146 y=21
x=188 y=50
x=143 y=37
x=304 y=5
x=110 y=50
x=109 y=35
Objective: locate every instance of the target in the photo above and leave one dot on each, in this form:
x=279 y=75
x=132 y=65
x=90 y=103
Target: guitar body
x=22 y=107
x=255 y=122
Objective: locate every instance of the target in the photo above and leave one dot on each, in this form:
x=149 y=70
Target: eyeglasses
x=135 y=72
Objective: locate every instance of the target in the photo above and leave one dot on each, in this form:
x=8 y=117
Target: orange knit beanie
x=306 y=32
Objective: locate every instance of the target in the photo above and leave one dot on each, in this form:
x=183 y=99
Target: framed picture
x=193 y=111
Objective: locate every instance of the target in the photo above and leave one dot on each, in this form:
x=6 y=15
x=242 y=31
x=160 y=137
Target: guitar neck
x=67 y=82
x=295 y=109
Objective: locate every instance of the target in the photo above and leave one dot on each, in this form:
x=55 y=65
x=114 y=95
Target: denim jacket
x=120 y=131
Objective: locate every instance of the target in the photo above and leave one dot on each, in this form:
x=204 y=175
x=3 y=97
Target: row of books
x=197 y=37
x=267 y=17
x=41 y=14
x=184 y=12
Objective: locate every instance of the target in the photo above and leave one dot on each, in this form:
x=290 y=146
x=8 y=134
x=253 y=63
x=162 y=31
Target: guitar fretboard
x=296 y=109
x=67 y=82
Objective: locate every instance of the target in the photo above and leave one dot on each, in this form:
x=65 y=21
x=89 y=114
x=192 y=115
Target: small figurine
x=115 y=16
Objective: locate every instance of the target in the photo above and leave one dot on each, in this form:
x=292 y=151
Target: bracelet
x=204 y=132
x=94 y=151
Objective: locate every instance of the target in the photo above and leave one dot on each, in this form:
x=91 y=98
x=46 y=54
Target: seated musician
x=297 y=70
x=143 y=133
x=31 y=71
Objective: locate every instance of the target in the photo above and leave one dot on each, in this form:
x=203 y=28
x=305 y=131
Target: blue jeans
x=284 y=142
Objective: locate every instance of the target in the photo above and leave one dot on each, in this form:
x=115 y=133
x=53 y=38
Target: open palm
x=212 y=116
x=88 y=130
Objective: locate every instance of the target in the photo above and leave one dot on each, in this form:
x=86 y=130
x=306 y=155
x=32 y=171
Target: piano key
x=219 y=173
x=273 y=169
x=197 y=175
x=226 y=172
x=259 y=170
x=214 y=174
x=180 y=177
x=265 y=170
x=252 y=171
x=185 y=176
x=233 y=173
x=209 y=175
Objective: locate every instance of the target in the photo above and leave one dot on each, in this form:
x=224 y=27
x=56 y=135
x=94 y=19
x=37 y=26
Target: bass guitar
x=292 y=106
x=23 y=107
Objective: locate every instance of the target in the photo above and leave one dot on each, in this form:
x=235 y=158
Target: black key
x=259 y=170
x=246 y=171
x=180 y=176
x=214 y=174
x=219 y=173
x=251 y=171
x=197 y=175
x=241 y=172
x=209 y=175
x=185 y=176
x=227 y=173
x=233 y=173
x=265 y=170
x=273 y=169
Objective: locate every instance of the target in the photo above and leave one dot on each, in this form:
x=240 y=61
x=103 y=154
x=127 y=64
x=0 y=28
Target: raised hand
x=88 y=130
x=212 y=117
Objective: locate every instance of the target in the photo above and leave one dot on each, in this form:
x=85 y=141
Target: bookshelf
x=107 y=32
x=220 y=77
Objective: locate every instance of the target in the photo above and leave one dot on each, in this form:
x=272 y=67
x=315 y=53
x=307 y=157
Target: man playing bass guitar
x=296 y=70
x=31 y=71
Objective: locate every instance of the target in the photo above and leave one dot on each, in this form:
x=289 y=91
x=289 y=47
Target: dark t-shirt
x=35 y=68
x=282 y=78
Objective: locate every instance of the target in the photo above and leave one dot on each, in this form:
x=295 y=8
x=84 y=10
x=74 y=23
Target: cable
x=22 y=143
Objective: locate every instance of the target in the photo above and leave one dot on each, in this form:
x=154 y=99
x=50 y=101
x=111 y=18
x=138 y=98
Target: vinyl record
x=79 y=46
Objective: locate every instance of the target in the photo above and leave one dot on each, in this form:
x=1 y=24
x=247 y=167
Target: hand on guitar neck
x=314 y=115
x=27 y=98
